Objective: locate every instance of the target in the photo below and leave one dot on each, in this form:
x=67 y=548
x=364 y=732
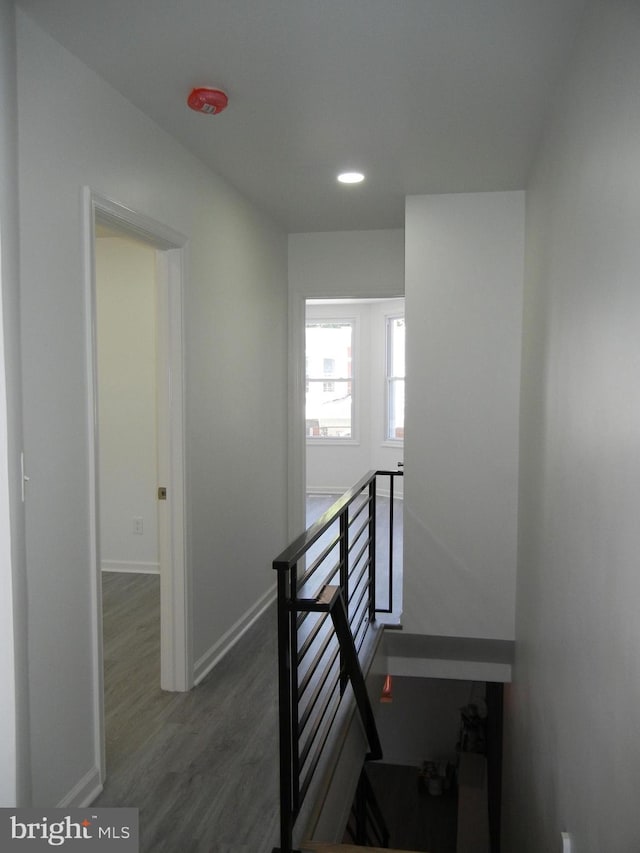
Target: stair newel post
x=344 y=586
x=288 y=703
x=295 y=698
x=392 y=481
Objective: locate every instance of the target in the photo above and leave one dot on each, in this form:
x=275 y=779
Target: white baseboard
x=219 y=649
x=137 y=568
x=327 y=490
x=84 y=793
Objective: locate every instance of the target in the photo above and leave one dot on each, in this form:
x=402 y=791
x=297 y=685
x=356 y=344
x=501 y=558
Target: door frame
x=176 y=652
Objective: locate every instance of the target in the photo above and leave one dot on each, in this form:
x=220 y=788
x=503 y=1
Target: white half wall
x=422 y=722
x=464 y=280
x=127 y=403
x=571 y=714
x=77 y=131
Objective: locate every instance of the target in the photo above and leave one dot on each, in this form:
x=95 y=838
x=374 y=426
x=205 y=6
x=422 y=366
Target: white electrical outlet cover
x=566 y=842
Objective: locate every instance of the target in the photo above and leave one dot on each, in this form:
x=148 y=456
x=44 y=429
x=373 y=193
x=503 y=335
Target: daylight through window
x=329 y=379
x=395 y=378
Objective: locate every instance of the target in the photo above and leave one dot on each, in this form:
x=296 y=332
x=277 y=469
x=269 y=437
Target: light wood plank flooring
x=201 y=767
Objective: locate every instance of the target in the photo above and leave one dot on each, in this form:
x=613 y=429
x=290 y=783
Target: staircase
x=317 y=847
x=327 y=625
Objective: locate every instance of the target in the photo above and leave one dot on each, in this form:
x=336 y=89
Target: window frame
x=390 y=378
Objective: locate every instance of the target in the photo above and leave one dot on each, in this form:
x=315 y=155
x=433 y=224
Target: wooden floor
x=201 y=767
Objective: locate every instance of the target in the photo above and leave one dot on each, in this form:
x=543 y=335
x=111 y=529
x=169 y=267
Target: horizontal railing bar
x=356 y=593
x=358 y=603
x=308 y=642
x=304 y=787
x=361 y=626
x=313 y=666
x=319 y=560
x=311 y=702
x=292 y=554
x=306 y=750
x=308 y=601
x=366 y=503
x=354 y=579
x=364 y=548
x=361 y=531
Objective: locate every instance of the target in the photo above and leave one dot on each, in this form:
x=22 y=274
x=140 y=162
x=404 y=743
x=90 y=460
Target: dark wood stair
x=319 y=847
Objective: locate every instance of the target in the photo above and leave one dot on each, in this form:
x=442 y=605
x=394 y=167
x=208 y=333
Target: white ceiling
x=424 y=96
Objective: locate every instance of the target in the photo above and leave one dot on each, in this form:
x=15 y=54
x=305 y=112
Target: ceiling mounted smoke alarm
x=208 y=101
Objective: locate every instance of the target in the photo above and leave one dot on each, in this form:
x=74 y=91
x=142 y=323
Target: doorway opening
x=134 y=332
x=354 y=412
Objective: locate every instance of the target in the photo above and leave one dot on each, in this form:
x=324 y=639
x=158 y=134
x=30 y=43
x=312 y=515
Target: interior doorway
x=127 y=379
x=137 y=470
x=129 y=522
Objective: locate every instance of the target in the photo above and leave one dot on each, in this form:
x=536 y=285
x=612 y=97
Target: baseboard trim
x=221 y=647
x=84 y=793
x=326 y=490
x=130 y=567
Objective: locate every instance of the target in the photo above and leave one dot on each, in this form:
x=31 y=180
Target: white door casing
x=176 y=654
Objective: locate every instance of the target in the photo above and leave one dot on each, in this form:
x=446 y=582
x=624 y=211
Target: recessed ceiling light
x=351 y=177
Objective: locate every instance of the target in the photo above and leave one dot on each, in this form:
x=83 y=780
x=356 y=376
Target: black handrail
x=329 y=570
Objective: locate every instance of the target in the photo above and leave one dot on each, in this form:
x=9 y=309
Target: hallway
x=202 y=767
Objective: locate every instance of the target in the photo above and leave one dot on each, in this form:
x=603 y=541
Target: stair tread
x=321 y=847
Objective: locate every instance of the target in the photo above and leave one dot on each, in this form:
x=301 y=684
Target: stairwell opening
x=438 y=785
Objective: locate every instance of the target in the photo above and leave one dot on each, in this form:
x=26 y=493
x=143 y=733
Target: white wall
x=341 y=264
x=127 y=405
x=332 y=468
x=75 y=130
x=338 y=264
x=464 y=278
x=572 y=712
x=422 y=723
x=14 y=748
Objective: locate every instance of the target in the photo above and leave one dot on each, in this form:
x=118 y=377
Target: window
x=329 y=402
x=395 y=379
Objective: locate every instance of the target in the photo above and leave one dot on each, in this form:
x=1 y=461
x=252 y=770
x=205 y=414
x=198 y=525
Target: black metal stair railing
x=326 y=601
x=367 y=826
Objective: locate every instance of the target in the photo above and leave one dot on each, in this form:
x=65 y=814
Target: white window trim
x=387 y=441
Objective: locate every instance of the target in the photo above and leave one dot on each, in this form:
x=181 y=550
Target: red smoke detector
x=209 y=101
